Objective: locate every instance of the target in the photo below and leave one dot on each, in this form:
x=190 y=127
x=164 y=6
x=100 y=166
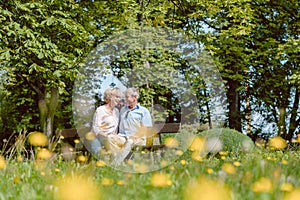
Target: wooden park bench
x=70 y=136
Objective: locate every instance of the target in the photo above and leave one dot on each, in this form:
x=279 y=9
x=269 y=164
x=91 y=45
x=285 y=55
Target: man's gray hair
x=133 y=92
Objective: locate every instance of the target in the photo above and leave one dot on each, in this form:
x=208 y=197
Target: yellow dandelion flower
x=57 y=170
x=197 y=143
x=210 y=170
x=90 y=136
x=20 y=158
x=228 y=168
x=17 y=179
x=223 y=153
x=183 y=162
x=100 y=163
x=107 y=181
x=260 y=142
x=43 y=173
x=2 y=162
x=237 y=163
x=171 y=142
x=287 y=187
x=262 y=185
x=160 y=180
x=82 y=158
x=75 y=187
x=204 y=188
x=277 y=143
x=223 y=157
x=120 y=182
x=294 y=195
x=44 y=154
x=195 y=156
x=76 y=141
x=284 y=162
x=172 y=168
x=179 y=153
x=297 y=139
x=37 y=139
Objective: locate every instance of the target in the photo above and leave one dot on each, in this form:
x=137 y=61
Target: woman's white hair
x=110 y=93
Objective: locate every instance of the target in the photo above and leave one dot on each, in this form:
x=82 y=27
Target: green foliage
x=232 y=140
x=41 y=46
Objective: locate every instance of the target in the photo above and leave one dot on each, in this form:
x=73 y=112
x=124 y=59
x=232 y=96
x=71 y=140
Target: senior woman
x=105 y=126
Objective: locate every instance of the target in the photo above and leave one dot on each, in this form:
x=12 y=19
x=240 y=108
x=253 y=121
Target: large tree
x=275 y=59
x=41 y=46
x=255 y=45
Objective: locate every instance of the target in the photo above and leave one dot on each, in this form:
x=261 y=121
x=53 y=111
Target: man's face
x=130 y=100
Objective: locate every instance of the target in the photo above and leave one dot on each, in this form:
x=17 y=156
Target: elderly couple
x=117 y=131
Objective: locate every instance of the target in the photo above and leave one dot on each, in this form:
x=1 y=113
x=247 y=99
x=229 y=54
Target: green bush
x=231 y=140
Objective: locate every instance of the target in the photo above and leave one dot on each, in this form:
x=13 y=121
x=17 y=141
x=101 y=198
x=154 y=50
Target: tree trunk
x=294 y=123
x=47 y=111
x=234 y=105
x=53 y=102
x=43 y=110
x=281 y=122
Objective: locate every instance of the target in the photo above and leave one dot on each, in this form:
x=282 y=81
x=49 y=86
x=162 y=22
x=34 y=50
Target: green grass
x=24 y=180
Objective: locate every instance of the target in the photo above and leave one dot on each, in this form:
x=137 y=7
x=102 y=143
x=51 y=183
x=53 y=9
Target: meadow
x=268 y=171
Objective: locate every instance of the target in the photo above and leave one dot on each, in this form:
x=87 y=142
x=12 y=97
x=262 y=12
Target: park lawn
x=257 y=174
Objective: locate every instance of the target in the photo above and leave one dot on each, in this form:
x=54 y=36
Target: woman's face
x=115 y=100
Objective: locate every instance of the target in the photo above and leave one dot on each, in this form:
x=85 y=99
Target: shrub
x=231 y=140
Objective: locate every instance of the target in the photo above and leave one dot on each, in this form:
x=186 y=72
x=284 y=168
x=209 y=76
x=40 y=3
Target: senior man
x=135 y=120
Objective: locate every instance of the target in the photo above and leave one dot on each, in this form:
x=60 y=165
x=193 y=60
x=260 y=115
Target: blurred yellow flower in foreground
x=2 y=162
x=237 y=163
x=160 y=180
x=210 y=170
x=37 y=139
x=294 y=195
x=82 y=158
x=287 y=187
x=107 y=181
x=44 y=154
x=285 y=162
x=76 y=141
x=197 y=144
x=228 y=168
x=90 y=136
x=120 y=182
x=171 y=142
x=75 y=187
x=206 y=189
x=195 y=156
x=297 y=140
x=277 y=143
x=100 y=163
x=17 y=179
x=262 y=185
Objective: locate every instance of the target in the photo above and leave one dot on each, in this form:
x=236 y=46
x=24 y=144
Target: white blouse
x=104 y=122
